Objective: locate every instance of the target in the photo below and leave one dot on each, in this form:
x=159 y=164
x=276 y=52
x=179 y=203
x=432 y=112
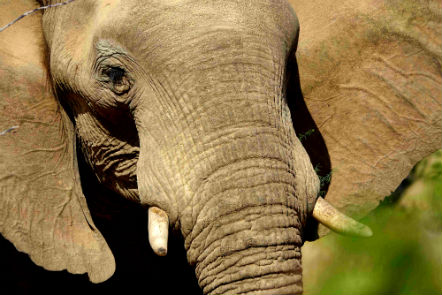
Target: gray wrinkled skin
x=184 y=105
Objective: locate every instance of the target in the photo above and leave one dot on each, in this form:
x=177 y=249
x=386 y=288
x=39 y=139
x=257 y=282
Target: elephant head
x=187 y=109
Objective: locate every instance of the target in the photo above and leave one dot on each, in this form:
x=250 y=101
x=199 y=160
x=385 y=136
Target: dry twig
x=32 y=11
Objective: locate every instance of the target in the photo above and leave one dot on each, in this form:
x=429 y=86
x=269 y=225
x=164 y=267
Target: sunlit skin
x=195 y=110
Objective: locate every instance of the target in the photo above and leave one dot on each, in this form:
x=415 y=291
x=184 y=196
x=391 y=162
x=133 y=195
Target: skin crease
x=231 y=174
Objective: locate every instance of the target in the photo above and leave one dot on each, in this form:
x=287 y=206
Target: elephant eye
x=115 y=74
x=117 y=78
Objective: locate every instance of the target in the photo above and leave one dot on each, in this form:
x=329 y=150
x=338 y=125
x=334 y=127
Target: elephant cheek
x=158 y=182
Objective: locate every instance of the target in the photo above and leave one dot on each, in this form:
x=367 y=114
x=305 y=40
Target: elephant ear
x=43 y=211
x=370 y=74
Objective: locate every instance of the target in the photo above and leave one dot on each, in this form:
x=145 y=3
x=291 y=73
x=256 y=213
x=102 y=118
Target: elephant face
x=203 y=79
x=183 y=107
x=187 y=114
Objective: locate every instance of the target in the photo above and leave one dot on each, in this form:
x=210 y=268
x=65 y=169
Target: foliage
x=323 y=180
x=303 y=136
x=403 y=256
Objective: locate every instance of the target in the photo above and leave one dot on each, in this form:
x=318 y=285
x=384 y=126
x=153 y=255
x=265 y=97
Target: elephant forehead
x=161 y=23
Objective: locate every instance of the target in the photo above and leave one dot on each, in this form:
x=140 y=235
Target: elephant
x=192 y=112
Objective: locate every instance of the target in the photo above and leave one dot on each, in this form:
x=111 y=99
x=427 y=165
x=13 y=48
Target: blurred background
x=404 y=256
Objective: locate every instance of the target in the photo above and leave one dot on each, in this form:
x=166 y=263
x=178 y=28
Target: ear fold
x=371 y=78
x=43 y=211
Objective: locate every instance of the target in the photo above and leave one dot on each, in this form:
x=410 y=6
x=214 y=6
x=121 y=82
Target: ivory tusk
x=329 y=216
x=158 y=228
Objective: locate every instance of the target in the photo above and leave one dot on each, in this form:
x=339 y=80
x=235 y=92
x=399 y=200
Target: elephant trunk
x=250 y=252
x=246 y=237
x=231 y=174
x=240 y=204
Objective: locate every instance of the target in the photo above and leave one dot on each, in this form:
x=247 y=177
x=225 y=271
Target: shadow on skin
x=314 y=143
x=124 y=226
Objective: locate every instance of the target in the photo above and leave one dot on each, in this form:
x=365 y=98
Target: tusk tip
x=161 y=252
x=159 y=246
x=366 y=232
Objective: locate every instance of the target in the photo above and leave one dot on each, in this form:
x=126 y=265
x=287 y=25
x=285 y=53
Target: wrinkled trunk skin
x=246 y=227
x=241 y=179
x=231 y=173
x=240 y=205
x=255 y=250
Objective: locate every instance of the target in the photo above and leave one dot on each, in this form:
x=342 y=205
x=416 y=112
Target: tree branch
x=32 y=11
